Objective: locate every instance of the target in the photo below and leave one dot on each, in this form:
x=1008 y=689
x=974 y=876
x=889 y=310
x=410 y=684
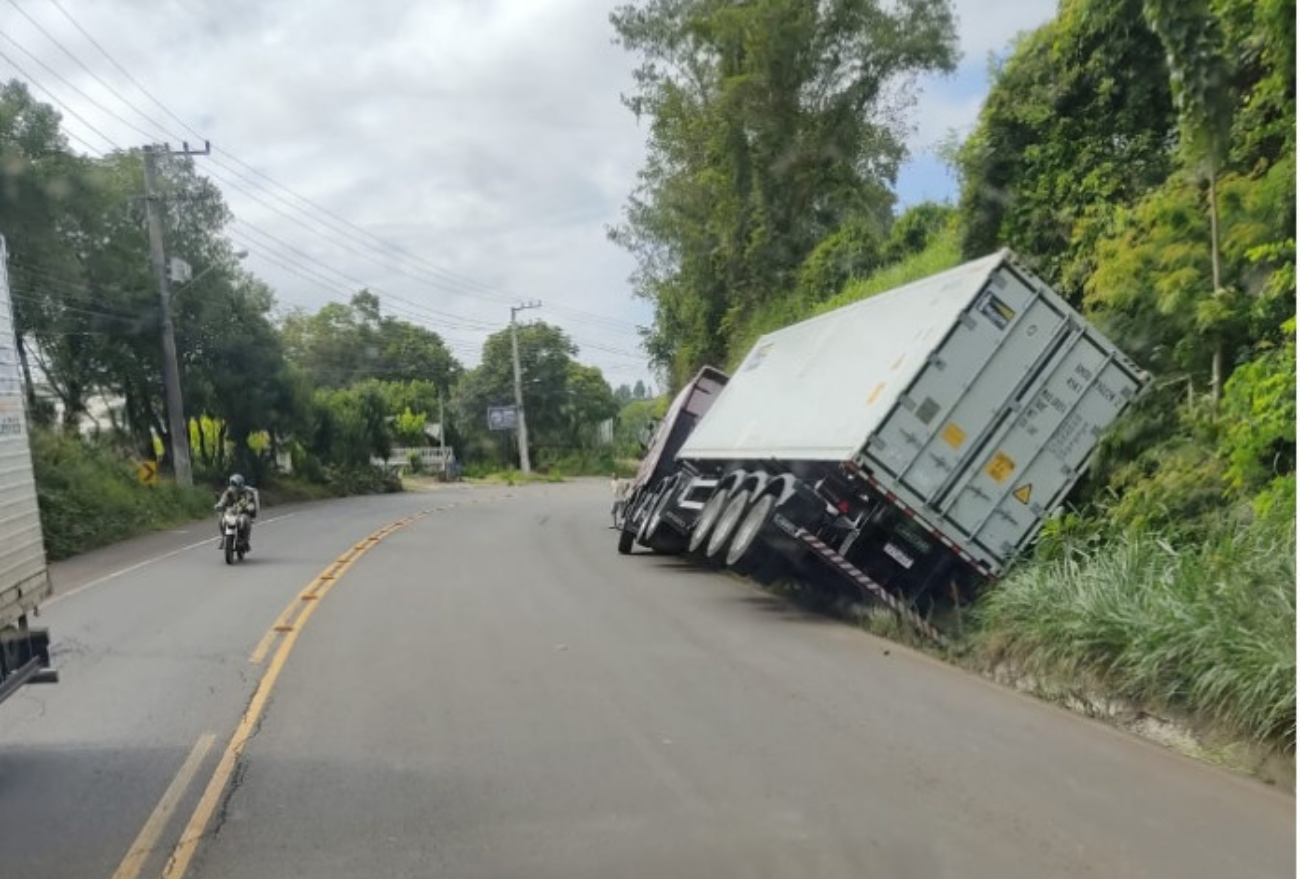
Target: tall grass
x=1208 y=629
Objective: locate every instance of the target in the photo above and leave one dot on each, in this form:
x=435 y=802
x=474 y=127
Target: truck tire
x=708 y=517
x=649 y=535
x=747 y=551
x=625 y=540
x=727 y=522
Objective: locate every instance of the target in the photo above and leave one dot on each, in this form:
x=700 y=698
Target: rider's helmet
x=236 y=481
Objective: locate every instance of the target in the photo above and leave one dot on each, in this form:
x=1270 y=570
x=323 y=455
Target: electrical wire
x=460 y=283
x=436 y=275
x=55 y=98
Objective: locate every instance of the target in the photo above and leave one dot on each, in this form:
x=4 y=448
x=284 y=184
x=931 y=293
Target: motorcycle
x=235 y=527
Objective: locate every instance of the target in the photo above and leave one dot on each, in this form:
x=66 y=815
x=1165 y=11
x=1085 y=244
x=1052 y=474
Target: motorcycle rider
x=240 y=495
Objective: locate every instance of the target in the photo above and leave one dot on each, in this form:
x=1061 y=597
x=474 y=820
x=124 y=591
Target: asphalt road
x=490 y=691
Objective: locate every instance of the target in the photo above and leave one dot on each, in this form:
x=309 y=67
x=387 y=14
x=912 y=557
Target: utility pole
x=176 y=423
x=524 y=464
x=442 y=439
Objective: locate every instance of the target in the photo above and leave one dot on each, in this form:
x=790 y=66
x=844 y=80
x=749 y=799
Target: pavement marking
x=290 y=625
x=285 y=622
x=144 y=564
x=162 y=813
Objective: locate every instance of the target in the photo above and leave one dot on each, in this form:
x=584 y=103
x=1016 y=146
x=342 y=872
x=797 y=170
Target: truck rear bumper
x=25 y=659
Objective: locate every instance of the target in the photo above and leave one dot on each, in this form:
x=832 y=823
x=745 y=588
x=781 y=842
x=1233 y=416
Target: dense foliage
x=774 y=141
x=1140 y=154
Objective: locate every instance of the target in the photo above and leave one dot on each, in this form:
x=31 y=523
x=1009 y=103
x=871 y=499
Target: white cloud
x=483 y=136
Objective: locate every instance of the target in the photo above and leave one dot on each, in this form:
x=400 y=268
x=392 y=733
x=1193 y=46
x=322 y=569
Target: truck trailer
x=24 y=578
x=915 y=441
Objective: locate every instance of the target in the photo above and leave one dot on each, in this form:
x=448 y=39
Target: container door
x=958 y=397
x=1039 y=452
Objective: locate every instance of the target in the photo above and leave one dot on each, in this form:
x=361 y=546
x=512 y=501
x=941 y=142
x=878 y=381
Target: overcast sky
x=456 y=155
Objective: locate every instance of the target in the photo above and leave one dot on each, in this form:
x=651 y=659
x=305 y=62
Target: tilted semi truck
x=24 y=579
x=916 y=440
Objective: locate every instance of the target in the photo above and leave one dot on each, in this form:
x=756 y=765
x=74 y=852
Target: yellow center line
x=186 y=848
x=316 y=588
x=148 y=838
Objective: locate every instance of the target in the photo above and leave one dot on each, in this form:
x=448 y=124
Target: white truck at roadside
x=24 y=577
x=916 y=440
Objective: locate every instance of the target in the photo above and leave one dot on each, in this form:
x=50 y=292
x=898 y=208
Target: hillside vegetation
x=1140 y=156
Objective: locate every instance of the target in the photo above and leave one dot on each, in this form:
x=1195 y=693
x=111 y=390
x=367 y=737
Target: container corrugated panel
x=814 y=391
x=998 y=424
x=24 y=581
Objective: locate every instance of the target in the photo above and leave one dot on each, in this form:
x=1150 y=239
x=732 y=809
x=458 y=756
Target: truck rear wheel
x=713 y=508
x=747 y=550
x=727 y=522
x=650 y=535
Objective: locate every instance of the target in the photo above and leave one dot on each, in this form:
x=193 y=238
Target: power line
x=437 y=275
x=308 y=274
x=71 y=112
x=461 y=283
x=67 y=82
x=76 y=60
x=27 y=294
x=122 y=70
x=360 y=284
x=573 y=314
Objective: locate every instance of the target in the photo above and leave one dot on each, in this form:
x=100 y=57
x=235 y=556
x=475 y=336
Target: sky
x=457 y=157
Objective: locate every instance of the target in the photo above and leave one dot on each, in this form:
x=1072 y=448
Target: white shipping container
x=974 y=396
x=24 y=582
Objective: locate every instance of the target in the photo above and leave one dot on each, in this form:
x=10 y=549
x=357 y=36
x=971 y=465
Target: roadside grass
x=1207 y=630
x=1191 y=647
x=90 y=497
x=515 y=477
x=89 y=494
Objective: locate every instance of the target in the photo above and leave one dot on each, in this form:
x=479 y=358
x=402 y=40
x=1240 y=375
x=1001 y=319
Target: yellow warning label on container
x=1000 y=467
x=953 y=435
x=1024 y=493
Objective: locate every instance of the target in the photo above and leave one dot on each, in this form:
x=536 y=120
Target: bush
x=1208 y=629
x=90 y=497
x=576 y=462
x=346 y=481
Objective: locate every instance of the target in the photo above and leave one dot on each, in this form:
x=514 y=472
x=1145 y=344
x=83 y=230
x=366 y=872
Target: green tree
x=563 y=400
x=915 y=228
x=769 y=130
x=1200 y=78
x=852 y=251
x=589 y=401
x=41 y=185
x=344 y=343
x=1077 y=125
x=351 y=426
